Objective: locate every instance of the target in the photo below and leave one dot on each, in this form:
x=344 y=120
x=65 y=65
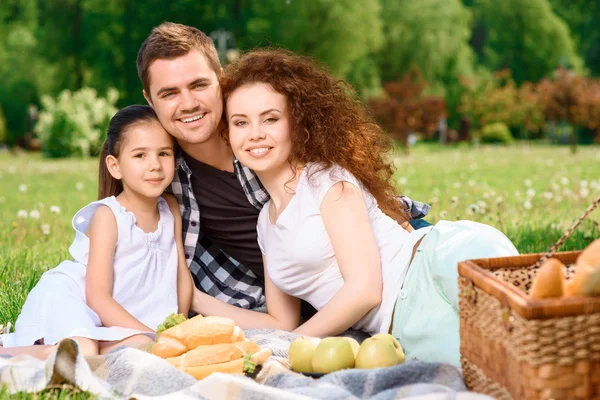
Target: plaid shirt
x=215 y=272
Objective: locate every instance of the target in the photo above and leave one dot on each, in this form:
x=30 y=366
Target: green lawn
x=531 y=193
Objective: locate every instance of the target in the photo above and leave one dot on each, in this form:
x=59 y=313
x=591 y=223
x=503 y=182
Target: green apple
x=354 y=344
x=301 y=353
x=394 y=342
x=333 y=354
x=376 y=353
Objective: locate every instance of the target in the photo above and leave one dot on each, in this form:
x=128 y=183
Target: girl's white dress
x=144 y=276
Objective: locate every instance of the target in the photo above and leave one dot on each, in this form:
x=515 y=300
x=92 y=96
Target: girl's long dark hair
x=123 y=119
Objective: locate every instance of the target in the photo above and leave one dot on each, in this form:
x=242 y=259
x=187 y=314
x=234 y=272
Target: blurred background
x=474 y=71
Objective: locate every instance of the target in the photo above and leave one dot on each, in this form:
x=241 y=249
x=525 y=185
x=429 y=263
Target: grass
x=532 y=193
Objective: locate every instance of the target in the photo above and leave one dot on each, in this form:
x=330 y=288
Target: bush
x=497 y=132
x=75 y=123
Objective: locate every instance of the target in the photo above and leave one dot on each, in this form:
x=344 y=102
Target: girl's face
x=259 y=127
x=146 y=162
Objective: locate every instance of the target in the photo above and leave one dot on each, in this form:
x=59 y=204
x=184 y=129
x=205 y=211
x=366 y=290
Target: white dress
x=144 y=283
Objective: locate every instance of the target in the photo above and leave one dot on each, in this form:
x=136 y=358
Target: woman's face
x=259 y=127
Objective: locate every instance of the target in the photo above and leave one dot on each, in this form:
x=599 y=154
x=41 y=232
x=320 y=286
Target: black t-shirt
x=226 y=216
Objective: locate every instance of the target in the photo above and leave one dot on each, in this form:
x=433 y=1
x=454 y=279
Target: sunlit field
x=531 y=193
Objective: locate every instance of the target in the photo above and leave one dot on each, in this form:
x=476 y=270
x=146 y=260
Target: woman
x=332 y=233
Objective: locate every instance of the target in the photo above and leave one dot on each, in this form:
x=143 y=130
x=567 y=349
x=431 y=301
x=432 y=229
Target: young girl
x=332 y=232
x=128 y=271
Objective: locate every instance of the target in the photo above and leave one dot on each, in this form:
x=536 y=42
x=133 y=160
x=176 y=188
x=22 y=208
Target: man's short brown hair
x=170 y=40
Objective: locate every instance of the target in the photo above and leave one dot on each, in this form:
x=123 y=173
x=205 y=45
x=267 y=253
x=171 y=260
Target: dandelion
x=482 y=204
x=40 y=205
x=454 y=200
x=79 y=186
x=443 y=214
x=55 y=209
x=22 y=188
x=34 y=214
x=558 y=199
x=434 y=200
x=564 y=180
x=517 y=194
x=548 y=195
x=472 y=209
x=554 y=187
x=499 y=200
x=457 y=185
x=486 y=195
x=527 y=205
x=46 y=229
x=583 y=183
x=402 y=180
x=22 y=214
x=530 y=193
x=584 y=192
x=528 y=182
x=472 y=183
x=436 y=191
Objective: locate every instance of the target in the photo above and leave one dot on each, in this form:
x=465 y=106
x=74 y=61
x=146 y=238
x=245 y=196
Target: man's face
x=186 y=96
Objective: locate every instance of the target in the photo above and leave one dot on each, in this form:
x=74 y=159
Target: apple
x=333 y=354
x=376 y=352
x=394 y=342
x=301 y=353
x=353 y=343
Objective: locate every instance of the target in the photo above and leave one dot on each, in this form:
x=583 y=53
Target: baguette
x=194 y=332
x=215 y=354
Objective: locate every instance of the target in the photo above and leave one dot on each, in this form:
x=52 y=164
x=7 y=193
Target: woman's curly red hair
x=329 y=123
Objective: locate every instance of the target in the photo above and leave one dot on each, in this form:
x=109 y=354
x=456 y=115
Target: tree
x=337 y=33
x=432 y=36
x=404 y=109
x=526 y=37
x=582 y=17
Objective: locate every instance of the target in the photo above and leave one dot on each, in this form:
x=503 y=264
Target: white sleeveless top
x=300 y=259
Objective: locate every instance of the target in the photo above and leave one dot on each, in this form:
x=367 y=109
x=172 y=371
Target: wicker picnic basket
x=514 y=347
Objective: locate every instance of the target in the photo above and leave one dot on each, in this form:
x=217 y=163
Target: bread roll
x=549 y=281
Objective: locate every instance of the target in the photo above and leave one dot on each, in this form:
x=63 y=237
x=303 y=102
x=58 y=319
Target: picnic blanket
x=132 y=373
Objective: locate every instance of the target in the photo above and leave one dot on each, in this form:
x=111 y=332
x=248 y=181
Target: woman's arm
x=103 y=235
x=283 y=309
x=347 y=222
x=185 y=284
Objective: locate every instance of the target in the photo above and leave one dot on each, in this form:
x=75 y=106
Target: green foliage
x=431 y=35
x=497 y=133
x=338 y=33
x=526 y=37
x=75 y=123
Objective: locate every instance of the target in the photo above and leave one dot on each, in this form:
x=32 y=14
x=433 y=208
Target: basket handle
x=568 y=233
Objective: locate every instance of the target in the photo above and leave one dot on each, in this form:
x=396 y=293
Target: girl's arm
x=348 y=225
x=185 y=284
x=283 y=309
x=103 y=235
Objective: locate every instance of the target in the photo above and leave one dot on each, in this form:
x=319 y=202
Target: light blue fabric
x=426 y=321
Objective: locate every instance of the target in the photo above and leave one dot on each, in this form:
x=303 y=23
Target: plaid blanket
x=130 y=372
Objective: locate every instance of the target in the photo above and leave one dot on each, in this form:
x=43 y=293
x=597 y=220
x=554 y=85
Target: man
x=220 y=199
